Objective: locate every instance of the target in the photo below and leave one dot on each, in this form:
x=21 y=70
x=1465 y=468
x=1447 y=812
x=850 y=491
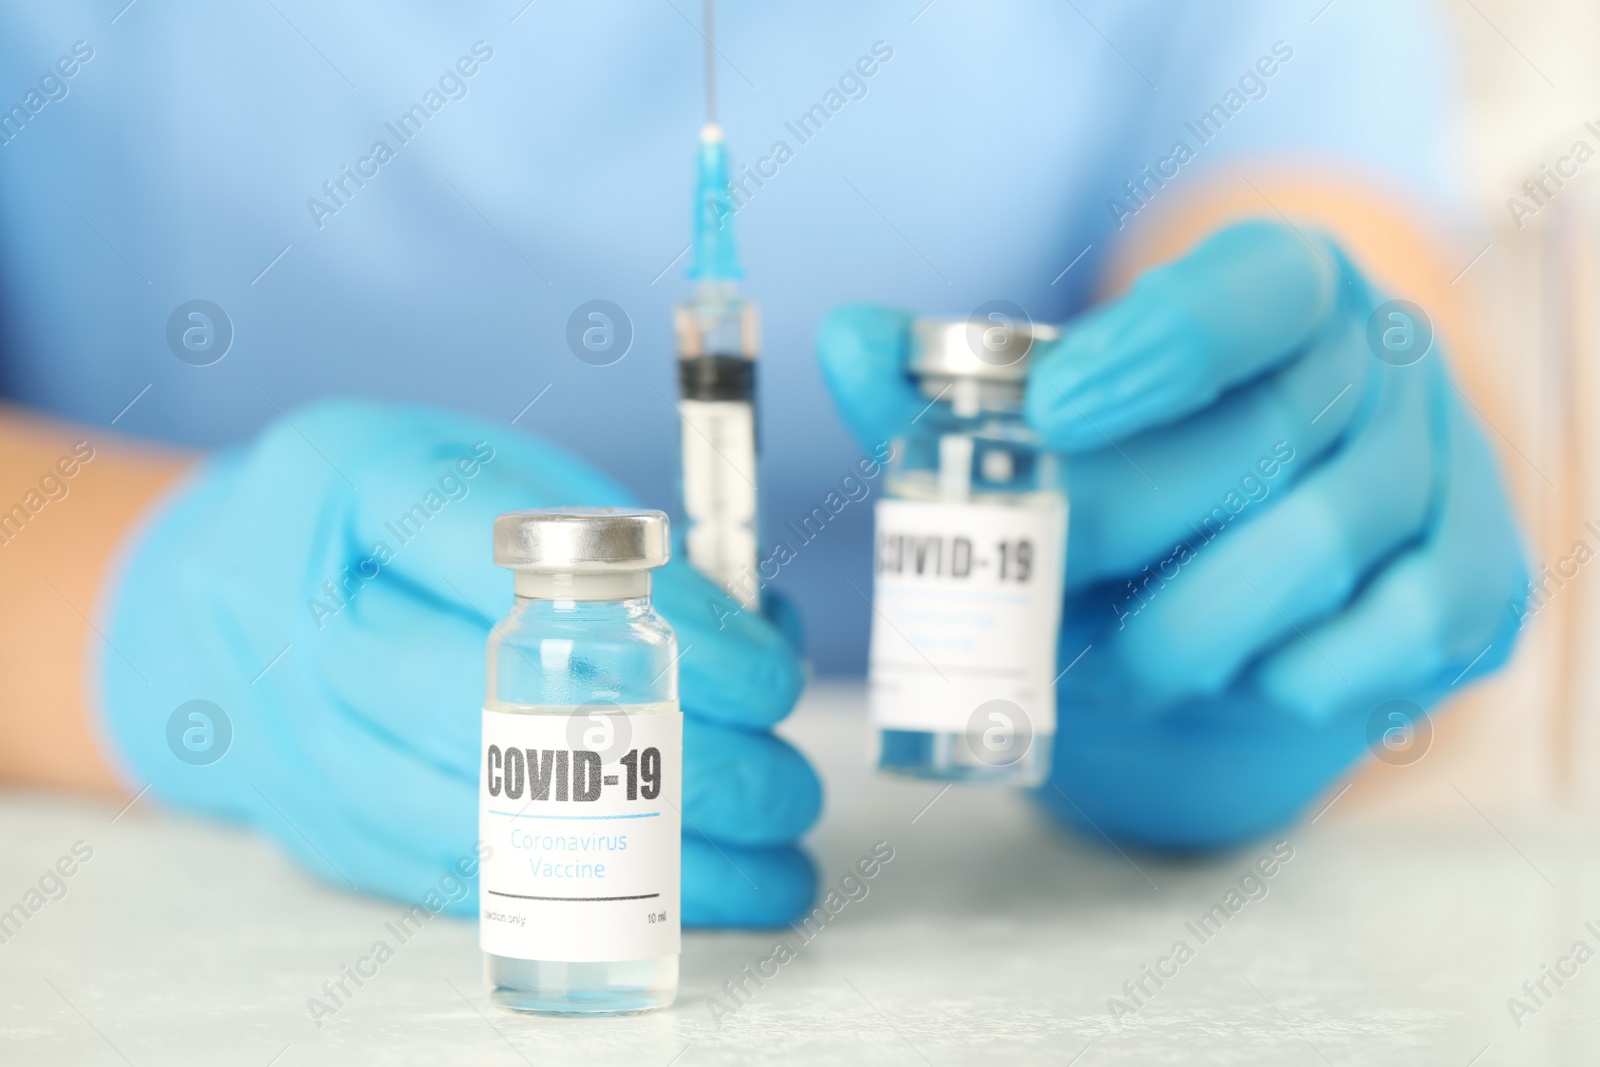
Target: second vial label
x=968 y=599
x=581 y=813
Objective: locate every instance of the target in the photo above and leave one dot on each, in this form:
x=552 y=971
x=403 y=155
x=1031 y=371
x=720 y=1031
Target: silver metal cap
x=582 y=540
x=995 y=351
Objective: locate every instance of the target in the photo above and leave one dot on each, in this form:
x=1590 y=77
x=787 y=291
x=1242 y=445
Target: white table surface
x=991 y=938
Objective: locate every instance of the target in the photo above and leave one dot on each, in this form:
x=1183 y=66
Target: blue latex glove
x=358 y=748
x=1327 y=532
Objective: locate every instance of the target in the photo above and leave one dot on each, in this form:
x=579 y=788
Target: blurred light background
x=449 y=277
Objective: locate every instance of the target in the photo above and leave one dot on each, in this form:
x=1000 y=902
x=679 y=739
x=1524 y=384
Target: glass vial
x=970 y=560
x=580 y=777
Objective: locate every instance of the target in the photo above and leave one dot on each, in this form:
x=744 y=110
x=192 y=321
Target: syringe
x=717 y=339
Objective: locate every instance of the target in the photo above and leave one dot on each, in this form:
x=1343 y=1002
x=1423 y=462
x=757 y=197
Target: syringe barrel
x=717 y=335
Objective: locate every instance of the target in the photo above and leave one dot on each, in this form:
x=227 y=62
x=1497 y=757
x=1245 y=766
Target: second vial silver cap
x=995 y=350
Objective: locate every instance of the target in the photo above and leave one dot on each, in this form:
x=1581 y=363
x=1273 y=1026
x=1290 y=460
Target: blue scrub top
x=409 y=201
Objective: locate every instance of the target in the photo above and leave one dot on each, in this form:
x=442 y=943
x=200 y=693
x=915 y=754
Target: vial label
x=968 y=612
x=581 y=815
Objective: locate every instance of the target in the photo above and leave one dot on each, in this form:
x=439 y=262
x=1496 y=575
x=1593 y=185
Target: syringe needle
x=710 y=35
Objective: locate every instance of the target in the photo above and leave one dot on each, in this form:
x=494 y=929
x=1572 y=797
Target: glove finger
x=1134 y=502
x=1244 y=300
x=1442 y=614
x=345 y=858
x=783 y=613
x=408 y=669
x=414 y=674
x=725 y=885
x=734 y=667
x=424 y=519
x=1193 y=623
x=746 y=789
x=1221 y=775
x=342 y=814
x=863 y=352
x=348 y=770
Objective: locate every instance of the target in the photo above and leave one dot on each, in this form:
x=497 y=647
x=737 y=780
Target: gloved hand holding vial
x=387 y=605
x=1273 y=530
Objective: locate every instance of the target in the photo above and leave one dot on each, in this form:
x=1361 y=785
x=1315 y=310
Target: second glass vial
x=970 y=560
